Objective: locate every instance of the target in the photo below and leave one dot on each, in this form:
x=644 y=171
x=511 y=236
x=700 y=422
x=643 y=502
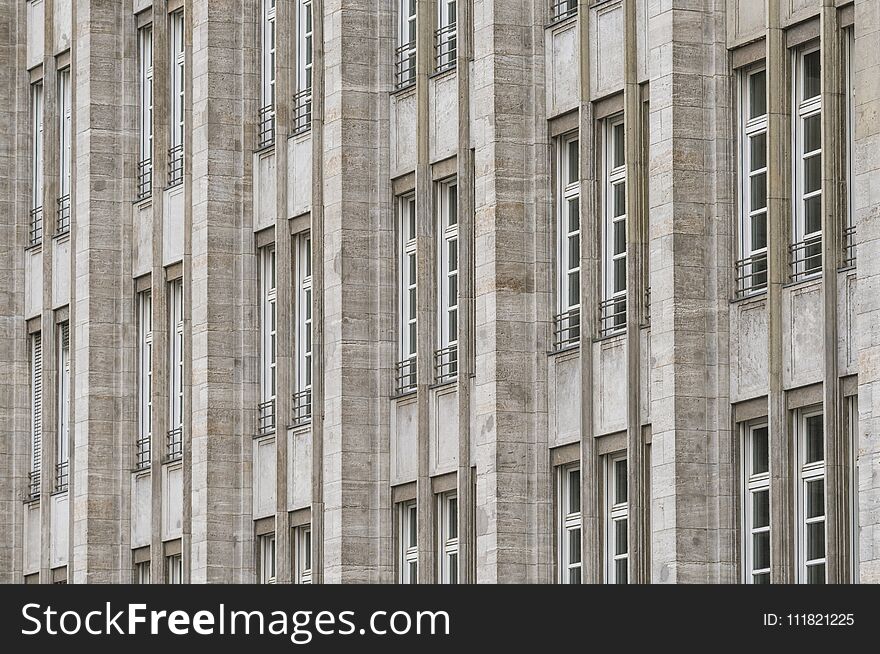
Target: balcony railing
x=647 y=320
x=566 y=329
x=405 y=66
x=302 y=111
x=266 y=417
x=33 y=486
x=174 y=444
x=175 y=165
x=445 y=48
x=266 y=136
x=446 y=364
x=143 y=452
x=751 y=275
x=849 y=247
x=63 y=225
x=36 y=226
x=612 y=315
x=562 y=9
x=62 y=476
x=405 y=377
x=144 y=179
x=806 y=258
x=302 y=406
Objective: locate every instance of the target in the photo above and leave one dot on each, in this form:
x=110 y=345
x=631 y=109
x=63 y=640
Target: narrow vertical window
x=62 y=444
x=268 y=331
x=267 y=76
x=569 y=517
x=445 y=43
x=612 y=309
x=145 y=113
x=446 y=356
x=806 y=250
x=406 y=366
x=852 y=413
x=174 y=569
x=64 y=140
x=177 y=99
x=405 y=70
x=36 y=463
x=302 y=398
x=302 y=101
x=142 y=572
x=409 y=543
x=267 y=559
x=751 y=268
x=302 y=543
x=566 y=329
x=756 y=504
x=616 y=521
x=174 y=445
x=143 y=446
x=849 y=228
x=36 y=208
x=447 y=538
x=811 y=495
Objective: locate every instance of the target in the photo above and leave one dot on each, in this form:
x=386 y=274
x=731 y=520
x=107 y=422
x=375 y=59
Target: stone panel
x=564 y=398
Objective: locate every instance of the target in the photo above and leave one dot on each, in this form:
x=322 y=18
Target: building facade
x=426 y=291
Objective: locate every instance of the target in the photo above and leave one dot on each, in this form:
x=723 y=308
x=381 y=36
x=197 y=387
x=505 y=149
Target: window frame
x=808 y=473
x=36 y=397
x=569 y=524
x=62 y=443
x=268 y=558
x=407 y=293
x=268 y=337
x=446 y=355
x=753 y=483
x=37 y=120
x=302 y=552
x=614 y=176
x=145 y=88
x=303 y=328
x=145 y=378
x=448 y=561
x=142 y=573
x=407 y=30
x=174 y=569
x=615 y=512
x=177 y=77
x=65 y=114
x=175 y=358
x=408 y=543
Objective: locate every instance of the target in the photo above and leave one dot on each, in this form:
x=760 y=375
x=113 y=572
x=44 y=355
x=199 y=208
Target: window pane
x=620 y=488
x=758 y=191
x=816 y=574
x=574 y=576
x=759 y=234
x=813 y=133
x=574 y=289
x=453 y=569
x=761 y=550
x=619 y=199
x=452 y=518
x=757 y=94
x=453 y=204
x=574 y=546
x=619 y=237
x=574 y=215
x=413 y=573
x=620 y=541
x=813 y=214
x=760 y=451
x=816 y=540
x=619 y=275
x=812 y=84
x=763 y=578
x=761 y=509
x=758 y=151
x=816 y=498
x=619 y=145
x=574 y=491
x=815 y=439
x=573 y=161
x=621 y=574
x=574 y=251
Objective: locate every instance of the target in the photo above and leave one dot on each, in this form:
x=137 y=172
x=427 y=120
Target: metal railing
x=562 y=9
x=405 y=376
x=301 y=406
x=849 y=247
x=63 y=224
x=446 y=364
x=175 y=165
x=566 y=329
x=806 y=258
x=647 y=320
x=266 y=417
x=62 y=476
x=612 y=315
x=174 y=444
x=302 y=111
x=33 y=485
x=144 y=179
x=266 y=122
x=405 y=66
x=143 y=452
x=751 y=275
x=445 y=48
x=36 y=226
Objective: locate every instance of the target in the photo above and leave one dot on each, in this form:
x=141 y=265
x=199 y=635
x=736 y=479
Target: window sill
x=564 y=349
x=265 y=149
x=404 y=394
x=811 y=279
x=445 y=383
x=404 y=90
x=446 y=72
x=757 y=295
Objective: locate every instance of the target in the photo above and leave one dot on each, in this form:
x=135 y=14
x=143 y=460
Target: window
x=447 y=538
x=852 y=414
x=811 y=496
x=562 y=9
x=267 y=559
x=302 y=101
x=406 y=367
x=302 y=399
x=62 y=444
x=143 y=446
x=445 y=46
x=64 y=140
x=267 y=77
x=616 y=521
x=174 y=569
x=268 y=329
x=569 y=516
x=446 y=356
x=145 y=151
x=405 y=71
x=849 y=230
x=756 y=504
x=806 y=250
x=142 y=573
x=34 y=476
x=613 y=306
x=567 y=322
x=409 y=543
x=751 y=269
x=177 y=100
x=302 y=547
x=36 y=210
x=174 y=449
